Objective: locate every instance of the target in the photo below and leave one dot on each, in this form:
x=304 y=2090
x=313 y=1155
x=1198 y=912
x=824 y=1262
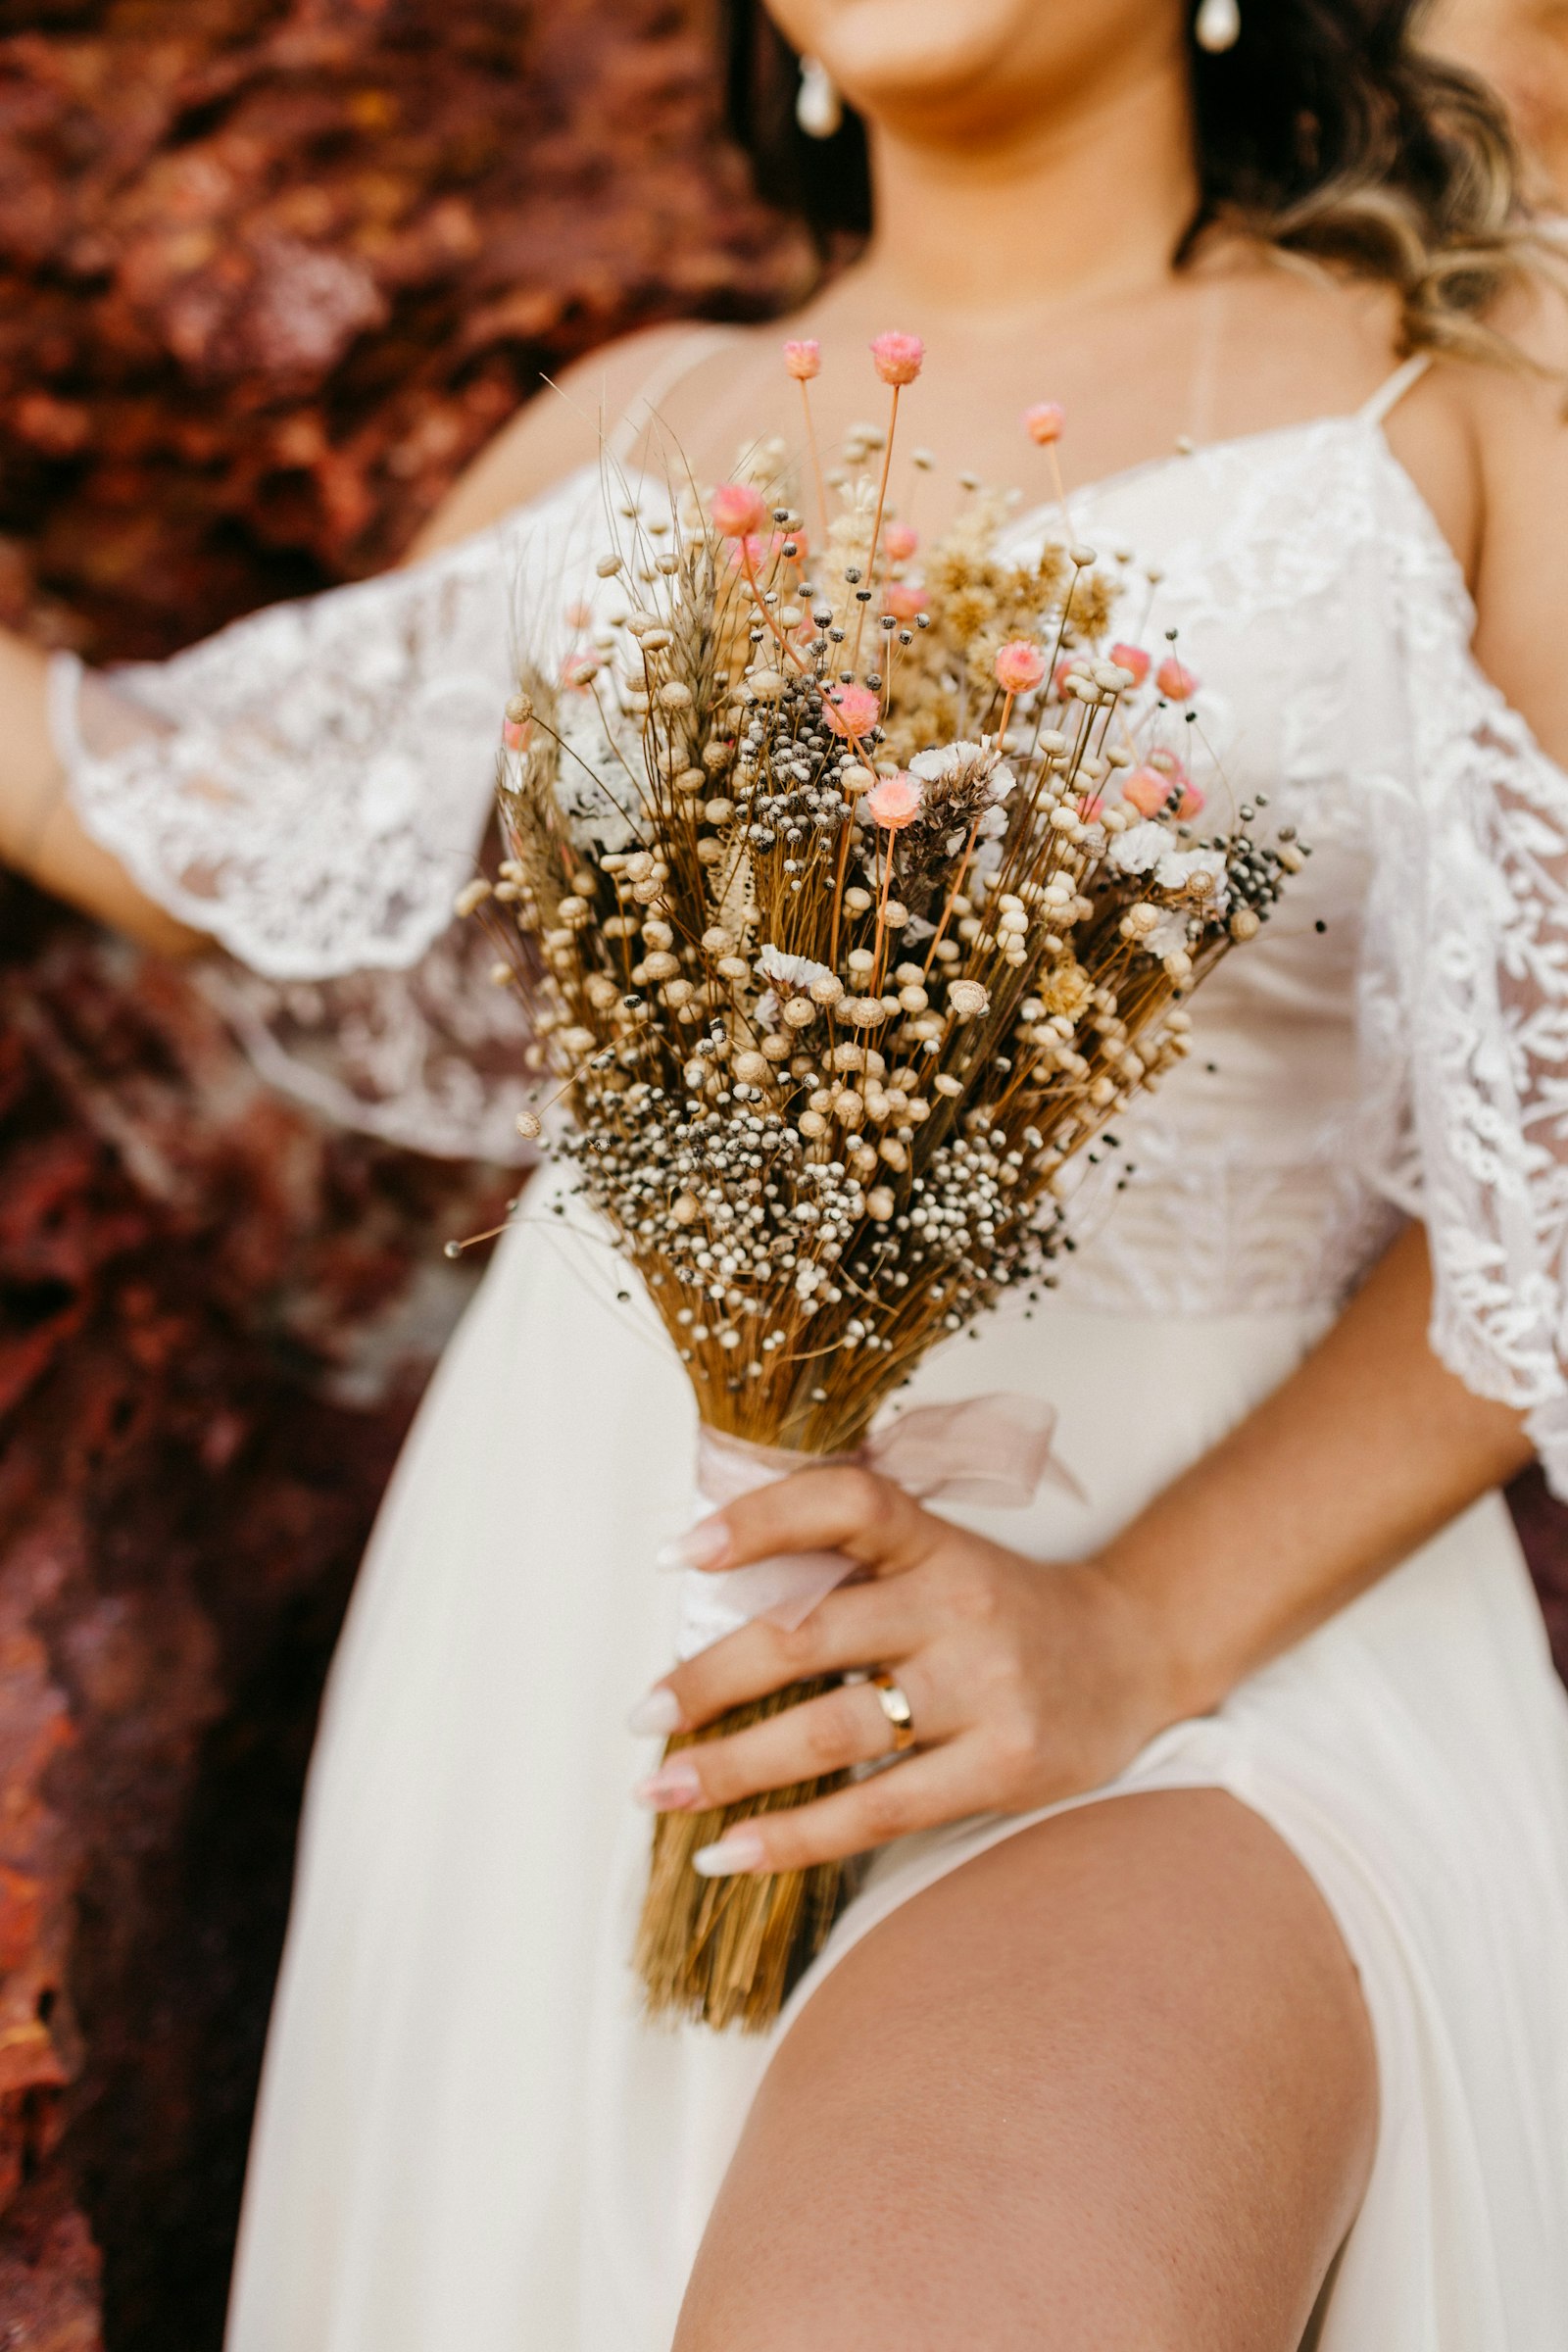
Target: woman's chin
x=975 y=60
x=887 y=50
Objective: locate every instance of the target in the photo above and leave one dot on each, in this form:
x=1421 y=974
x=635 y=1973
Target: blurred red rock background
x=271 y=272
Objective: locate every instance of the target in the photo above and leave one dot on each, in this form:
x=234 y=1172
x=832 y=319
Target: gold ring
x=896 y=1707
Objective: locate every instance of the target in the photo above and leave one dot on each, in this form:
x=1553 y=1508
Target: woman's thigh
x=1110 y=2084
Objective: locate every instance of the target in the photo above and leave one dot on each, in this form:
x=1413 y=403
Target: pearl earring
x=819 y=107
x=1218 y=25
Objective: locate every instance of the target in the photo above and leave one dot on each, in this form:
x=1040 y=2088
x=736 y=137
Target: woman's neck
x=1085 y=202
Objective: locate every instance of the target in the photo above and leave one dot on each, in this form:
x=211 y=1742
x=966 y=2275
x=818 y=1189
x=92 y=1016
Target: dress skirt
x=468 y=2141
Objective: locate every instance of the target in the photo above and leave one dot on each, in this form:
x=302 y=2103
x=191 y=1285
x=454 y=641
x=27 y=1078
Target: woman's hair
x=1325 y=131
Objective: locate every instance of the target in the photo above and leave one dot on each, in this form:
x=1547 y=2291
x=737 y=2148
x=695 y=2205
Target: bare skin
x=1038 y=2109
x=1060 y=2021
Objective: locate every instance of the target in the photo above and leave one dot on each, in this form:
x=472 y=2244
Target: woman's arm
x=1034 y=1683
x=40 y=834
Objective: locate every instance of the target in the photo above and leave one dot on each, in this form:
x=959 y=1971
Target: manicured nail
x=656 y=1716
x=705 y=1545
x=674 y=1789
x=736 y=1850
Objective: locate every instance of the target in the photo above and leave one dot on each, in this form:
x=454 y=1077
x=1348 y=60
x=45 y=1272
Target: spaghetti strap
x=677 y=365
x=1393 y=391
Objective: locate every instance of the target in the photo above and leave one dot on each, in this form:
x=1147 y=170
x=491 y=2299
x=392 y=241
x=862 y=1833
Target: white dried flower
x=1168 y=936
x=960 y=766
x=1178 y=869
x=967 y=998
x=793 y=974
x=1140 y=849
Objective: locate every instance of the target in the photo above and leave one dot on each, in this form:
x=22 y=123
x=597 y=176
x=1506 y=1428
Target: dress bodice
x=311 y=785
x=1249 y=1186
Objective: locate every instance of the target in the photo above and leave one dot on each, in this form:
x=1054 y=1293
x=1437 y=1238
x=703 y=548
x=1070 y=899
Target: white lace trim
x=310 y=787
x=1464 y=1006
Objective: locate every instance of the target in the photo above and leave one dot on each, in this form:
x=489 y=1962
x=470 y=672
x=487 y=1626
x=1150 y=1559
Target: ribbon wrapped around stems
x=993 y=1450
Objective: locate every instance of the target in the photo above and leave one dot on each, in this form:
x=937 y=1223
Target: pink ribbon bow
x=991 y=1451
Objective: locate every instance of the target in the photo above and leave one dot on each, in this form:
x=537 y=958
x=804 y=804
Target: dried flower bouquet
x=851 y=907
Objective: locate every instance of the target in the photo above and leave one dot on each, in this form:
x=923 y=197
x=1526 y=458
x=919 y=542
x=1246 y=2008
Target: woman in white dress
x=1273 y=2048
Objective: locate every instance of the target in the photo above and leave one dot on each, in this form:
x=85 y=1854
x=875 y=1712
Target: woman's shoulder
x=561 y=429
x=1519 y=426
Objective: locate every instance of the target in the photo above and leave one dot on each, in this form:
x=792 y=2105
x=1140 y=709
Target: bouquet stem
x=728 y=1951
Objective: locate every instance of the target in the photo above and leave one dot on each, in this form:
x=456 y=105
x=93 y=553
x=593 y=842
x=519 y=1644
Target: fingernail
x=674 y=1789
x=656 y=1716
x=705 y=1545
x=736 y=1850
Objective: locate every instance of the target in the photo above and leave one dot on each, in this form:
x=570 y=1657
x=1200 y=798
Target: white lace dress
x=468 y=2143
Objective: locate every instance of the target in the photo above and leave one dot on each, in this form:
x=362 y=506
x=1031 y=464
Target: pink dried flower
x=852 y=710
x=1020 y=666
x=1175 y=680
x=515 y=733
x=1148 y=789
x=905 y=599
x=901 y=542
x=1131 y=658
x=899 y=358
x=1063 y=672
x=579 y=616
x=804 y=360
x=1044 y=423
x=578 y=669
x=738 y=511
x=895 y=802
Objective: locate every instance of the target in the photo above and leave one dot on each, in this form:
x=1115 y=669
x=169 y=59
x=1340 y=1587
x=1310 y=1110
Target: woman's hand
x=1026 y=1682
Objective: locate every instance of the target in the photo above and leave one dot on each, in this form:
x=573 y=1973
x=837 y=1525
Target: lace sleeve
x=310 y=787
x=1465 y=1020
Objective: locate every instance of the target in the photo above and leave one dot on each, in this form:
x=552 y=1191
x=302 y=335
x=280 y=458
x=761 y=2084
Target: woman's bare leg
x=1110 y=2084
